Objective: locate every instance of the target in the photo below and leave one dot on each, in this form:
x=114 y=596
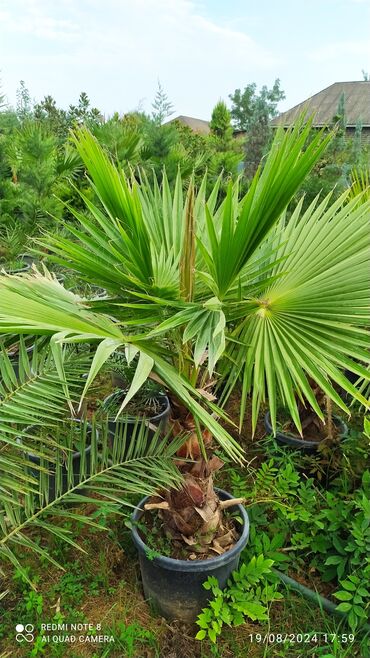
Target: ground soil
x=126 y=605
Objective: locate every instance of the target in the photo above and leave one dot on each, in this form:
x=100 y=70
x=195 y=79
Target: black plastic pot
x=174 y=588
x=304 y=445
x=351 y=376
x=153 y=422
x=76 y=463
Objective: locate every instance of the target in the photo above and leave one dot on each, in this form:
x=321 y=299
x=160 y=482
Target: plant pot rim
x=15 y=353
x=305 y=442
x=100 y=295
x=194 y=566
x=17 y=270
x=133 y=418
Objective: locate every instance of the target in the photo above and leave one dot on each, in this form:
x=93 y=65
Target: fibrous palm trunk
x=193 y=517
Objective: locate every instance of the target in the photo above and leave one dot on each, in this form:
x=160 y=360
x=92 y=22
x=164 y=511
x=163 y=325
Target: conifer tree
x=220 y=123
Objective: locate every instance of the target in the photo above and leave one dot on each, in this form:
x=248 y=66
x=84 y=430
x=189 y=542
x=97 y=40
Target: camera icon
x=24 y=633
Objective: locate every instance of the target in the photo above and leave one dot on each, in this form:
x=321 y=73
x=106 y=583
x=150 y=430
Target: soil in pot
x=174 y=587
x=140 y=406
x=107 y=393
x=315 y=432
x=163 y=540
x=104 y=400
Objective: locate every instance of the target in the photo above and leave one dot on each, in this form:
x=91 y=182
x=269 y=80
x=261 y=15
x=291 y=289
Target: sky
x=200 y=50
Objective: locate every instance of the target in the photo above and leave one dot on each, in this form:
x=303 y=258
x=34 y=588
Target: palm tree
x=198 y=290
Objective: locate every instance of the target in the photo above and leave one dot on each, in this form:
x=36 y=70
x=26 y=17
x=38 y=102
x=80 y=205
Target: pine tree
x=220 y=123
x=162 y=106
x=24 y=104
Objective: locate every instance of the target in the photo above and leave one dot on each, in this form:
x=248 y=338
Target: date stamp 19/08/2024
x=301 y=638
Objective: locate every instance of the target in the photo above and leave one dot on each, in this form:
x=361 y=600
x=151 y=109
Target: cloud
x=32 y=17
x=117 y=50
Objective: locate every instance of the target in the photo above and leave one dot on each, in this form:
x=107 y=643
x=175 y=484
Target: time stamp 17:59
x=301 y=638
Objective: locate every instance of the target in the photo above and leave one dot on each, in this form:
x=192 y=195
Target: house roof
x=197 y=125
x=324 y=105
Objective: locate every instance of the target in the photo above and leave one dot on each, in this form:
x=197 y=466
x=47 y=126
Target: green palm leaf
x=119 y=467
x=32 y=395
x=36 y=393
x=80 y=324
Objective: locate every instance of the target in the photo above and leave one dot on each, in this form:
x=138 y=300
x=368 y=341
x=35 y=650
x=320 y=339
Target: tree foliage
x=161 y=106
x=249 y=107
x=251 y=113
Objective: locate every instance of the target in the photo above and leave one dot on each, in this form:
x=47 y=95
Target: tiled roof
x=324 y=105
x=197 y=125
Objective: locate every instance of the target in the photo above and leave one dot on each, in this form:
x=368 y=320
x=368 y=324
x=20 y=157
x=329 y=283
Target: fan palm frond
x=311 y=321
x=360 y=184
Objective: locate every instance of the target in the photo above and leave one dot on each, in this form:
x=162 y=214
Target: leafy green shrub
x=301 y=526
x=355 y=598
x=247 y=594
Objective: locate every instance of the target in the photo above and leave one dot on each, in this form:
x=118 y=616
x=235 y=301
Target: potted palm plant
x=193 y=286
x=316 y=433
x=150 y=403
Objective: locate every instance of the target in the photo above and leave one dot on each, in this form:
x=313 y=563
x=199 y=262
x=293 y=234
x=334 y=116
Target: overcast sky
x=200 y=50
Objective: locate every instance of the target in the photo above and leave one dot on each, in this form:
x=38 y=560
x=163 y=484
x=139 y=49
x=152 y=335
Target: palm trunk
x=193 y=517
x=329 y=414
